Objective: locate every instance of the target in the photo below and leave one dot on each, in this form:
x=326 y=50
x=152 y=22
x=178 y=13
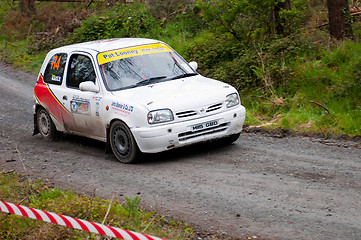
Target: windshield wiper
x=149 y=80
x=184 y=75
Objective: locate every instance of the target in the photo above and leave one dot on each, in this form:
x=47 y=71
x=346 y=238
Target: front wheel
x=122 y=142
x=45 y=125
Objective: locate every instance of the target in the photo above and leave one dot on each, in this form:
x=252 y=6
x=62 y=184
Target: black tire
x=230 y=139
x=122 y=142
x=45 y=125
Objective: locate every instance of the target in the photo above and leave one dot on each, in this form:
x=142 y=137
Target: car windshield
x=138 y=66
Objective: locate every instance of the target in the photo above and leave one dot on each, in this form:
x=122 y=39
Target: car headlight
x=160 y=116
x=232 y=100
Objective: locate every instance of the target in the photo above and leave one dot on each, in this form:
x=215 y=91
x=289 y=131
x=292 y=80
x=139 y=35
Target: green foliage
x=4 y=9
x=292 y=19
x=335 y=82
x=275 y=56
x=133 y=20
x=249 y=21
x=14 y=188
x=180 y=32
x=132 y=206
x=21 y=56
x=255 y=67
x=165 y=10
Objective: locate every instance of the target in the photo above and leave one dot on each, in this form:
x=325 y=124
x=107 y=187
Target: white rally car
x=137 y=95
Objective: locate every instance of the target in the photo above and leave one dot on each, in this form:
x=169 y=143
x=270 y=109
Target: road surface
x=261 y=186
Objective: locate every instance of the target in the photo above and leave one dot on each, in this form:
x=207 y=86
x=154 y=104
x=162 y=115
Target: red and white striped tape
x=73 y=222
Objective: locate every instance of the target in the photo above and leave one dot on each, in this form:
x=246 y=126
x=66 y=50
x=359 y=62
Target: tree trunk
x=339 y=19
x=23 y=7
x=280 y=24
x=32 y=8
x=27 y=7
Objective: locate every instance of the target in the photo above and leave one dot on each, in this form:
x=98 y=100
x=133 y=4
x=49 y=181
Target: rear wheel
x=45 y=125
x=122 y=142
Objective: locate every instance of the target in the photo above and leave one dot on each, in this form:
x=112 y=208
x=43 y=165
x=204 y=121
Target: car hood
x=179 y=94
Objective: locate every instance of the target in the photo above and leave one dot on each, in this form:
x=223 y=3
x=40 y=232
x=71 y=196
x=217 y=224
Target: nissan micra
x=136 y=95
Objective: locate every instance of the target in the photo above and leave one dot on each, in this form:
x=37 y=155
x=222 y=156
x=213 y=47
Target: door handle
x=65 y=97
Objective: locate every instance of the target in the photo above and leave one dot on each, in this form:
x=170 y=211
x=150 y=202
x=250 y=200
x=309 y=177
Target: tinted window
x=80 y=70
x=55 y=69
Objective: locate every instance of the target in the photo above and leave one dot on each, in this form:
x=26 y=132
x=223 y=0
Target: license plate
x=205 y=125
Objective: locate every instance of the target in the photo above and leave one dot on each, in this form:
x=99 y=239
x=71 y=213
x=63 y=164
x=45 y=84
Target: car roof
x=108 y=44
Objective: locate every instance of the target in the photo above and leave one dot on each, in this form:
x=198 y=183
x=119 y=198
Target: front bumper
x=161 y=138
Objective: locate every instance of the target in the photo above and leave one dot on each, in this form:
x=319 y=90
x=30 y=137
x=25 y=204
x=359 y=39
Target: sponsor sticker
x=122 y=107
x=97 y=105
x=55 y=78
x=80 y=105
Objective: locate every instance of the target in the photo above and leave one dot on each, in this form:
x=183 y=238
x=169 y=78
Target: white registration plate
x=205 y=125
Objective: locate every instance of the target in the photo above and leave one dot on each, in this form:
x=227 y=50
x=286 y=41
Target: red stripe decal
x=47 y=98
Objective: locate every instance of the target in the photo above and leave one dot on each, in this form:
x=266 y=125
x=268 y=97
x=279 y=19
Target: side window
x=55 y=69
x=80 y=70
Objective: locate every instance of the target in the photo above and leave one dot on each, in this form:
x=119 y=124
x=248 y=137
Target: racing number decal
x=56 y=62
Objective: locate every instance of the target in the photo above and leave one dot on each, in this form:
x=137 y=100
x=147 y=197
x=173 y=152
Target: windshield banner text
x=122 y=53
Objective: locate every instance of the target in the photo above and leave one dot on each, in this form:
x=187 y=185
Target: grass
x=334 y=81
x=125 y=214
x=321 y=95
x=20 y=58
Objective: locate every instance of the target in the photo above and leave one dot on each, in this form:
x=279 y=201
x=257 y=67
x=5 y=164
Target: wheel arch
x=59 y=127
x=107 y=145
x=121 y=141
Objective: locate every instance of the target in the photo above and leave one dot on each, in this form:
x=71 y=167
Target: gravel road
x=262 y=186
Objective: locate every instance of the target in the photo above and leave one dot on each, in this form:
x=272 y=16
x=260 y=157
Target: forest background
x=295 y=63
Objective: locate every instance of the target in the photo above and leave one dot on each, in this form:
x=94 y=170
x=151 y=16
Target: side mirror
x=88 y=86
x=193 y=65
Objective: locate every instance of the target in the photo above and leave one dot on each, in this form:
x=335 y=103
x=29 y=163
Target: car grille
x=191 y=113
x=214 y=107
x=208 y=131
x=186 y=114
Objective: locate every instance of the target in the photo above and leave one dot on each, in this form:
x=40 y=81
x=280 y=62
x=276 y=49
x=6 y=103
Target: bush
x=249 y=67
x=16 y=25
x=252 y=21
x=123 y=20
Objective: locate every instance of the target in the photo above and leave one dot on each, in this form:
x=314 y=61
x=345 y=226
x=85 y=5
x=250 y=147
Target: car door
x=83 y=106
